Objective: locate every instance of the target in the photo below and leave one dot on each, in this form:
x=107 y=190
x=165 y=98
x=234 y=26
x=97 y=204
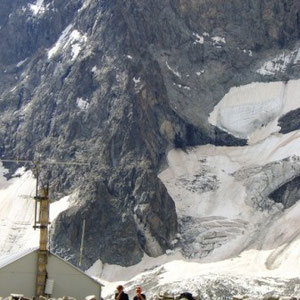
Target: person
x=139 y=295
x=120 y=295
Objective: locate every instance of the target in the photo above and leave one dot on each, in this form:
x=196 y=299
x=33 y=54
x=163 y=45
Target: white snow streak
x=69 y=40
x=173 y=71
x=21 y=63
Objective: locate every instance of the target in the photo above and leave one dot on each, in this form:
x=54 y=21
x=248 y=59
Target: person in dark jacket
x=139 y=295
x=120 y=295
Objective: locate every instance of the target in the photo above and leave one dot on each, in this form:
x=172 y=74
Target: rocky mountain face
x=117 y=84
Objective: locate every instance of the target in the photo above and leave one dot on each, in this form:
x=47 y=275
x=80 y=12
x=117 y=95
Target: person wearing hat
x=120 y=295
x=139 y=295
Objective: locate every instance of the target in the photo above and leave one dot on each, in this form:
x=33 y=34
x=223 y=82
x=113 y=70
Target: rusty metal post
x=43 y=248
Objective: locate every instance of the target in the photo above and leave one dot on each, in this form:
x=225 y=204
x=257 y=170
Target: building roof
x=10 y=258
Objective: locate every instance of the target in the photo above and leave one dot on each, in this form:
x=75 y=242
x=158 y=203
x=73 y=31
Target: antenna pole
x=36 y=196
x=82 y=243
x=43 y=248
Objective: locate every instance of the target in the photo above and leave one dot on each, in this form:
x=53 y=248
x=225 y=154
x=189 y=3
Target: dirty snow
x=252 y=111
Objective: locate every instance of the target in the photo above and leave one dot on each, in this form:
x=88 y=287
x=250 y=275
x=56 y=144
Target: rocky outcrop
x=288 y=194
x=290 y=121
x=264 y=186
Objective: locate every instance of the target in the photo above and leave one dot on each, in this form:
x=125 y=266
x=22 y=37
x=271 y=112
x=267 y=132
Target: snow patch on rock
x=138 y=84
x=199 y=73
x=82 y=104
x=217 y=40
x=85 y=4
x=69 y=41
x=21 y=63
x=199 y=39
x=280 y=63
x=38 y=8
x=59 y=206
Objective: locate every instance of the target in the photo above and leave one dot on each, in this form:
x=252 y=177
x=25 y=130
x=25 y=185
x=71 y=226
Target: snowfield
x=17 y=211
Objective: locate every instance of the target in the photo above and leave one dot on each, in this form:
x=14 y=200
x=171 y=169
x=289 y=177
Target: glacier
x=231 y=231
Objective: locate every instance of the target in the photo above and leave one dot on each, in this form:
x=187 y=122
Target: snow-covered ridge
x=252 y=111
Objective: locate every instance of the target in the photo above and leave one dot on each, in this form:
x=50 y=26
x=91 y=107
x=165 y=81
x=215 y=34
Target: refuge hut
x=18 y=274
